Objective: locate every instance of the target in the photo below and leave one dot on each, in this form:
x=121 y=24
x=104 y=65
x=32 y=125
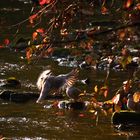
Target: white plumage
x=48 y=82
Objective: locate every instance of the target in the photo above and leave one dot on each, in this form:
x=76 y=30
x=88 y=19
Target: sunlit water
x=30 y=121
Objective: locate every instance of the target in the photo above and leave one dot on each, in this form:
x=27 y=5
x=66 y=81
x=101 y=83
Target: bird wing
x=71 y=77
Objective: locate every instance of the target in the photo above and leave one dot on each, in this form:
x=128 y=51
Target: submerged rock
x=65 y=104
x=126 y=118
x=19 y=97
x=11 y=82
x=6 y=94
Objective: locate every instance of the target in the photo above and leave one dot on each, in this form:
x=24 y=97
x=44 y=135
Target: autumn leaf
x=137 y=6
x=43 y=2
x=40 y=30
x=1 y=46
x=92 y=111
x=81 y=115
x=28 y=54
x=81 y=94
x=136 y=97
x=125 y=60
x=32 y=18
x=6 y=41
x=128 y=4
x=104 y=90
x=105 y=93
x=104 y=10
x=96 y=88
x=122 y=35
x=34 y=35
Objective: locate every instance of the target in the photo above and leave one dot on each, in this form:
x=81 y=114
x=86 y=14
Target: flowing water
x=27 y=121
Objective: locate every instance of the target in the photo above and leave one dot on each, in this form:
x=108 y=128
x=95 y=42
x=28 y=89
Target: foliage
x=82 y=22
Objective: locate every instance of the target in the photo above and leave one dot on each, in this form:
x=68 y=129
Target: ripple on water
x=14 y=119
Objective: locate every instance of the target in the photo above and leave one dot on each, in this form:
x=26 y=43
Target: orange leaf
x=28 y=53
x=136 y=97
x=122 y=34
x=128 y=4
x=137 y=6
x=34 y=36
x=104 y=10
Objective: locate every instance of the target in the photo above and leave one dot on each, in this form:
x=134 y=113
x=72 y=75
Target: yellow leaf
x=129 y=59
x=11 y=78
x=136 y=97
x=96 y=88
x=92 y=111
x=81 y=94
x=108 y=102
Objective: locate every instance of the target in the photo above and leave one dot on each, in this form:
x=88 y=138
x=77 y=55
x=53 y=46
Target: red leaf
x=81 y=115
x=40 y=30
x=32 y=18
x=43 y=2
x=6 y=41
x=1 y=47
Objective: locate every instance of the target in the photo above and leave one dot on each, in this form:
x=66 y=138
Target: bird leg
x=44 y=91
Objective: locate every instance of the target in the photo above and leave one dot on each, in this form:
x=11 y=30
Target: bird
x=73 y=92
x=47 y=82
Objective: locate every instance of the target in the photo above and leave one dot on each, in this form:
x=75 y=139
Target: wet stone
x=126 y=118
x=6 y=94
x=25 y=96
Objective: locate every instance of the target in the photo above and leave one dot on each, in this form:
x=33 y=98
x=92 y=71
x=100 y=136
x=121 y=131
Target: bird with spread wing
x=48 y=82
